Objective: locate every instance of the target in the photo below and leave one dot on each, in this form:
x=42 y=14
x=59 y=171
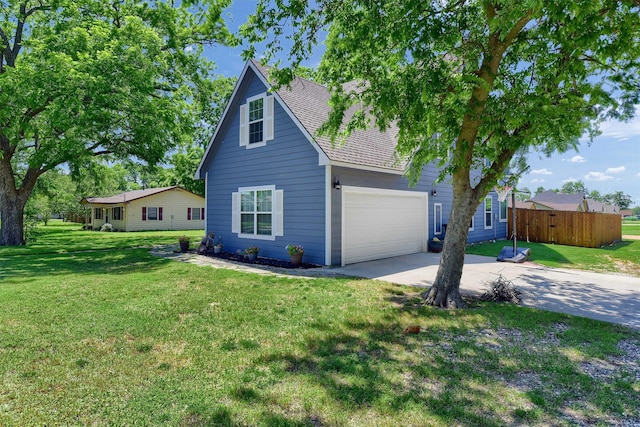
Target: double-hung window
x=437 y=218
x=257 y=212
x=117 y=214
x=503 y=211
x=256 y=121
x=152 y=214
x=488 y=213
x=97 y=213
x=195 y=214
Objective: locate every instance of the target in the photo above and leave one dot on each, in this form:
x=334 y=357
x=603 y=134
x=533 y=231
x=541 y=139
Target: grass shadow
x=120 y=261
x=460 y=373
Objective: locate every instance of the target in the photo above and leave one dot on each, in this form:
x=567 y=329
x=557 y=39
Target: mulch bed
x=271 y=262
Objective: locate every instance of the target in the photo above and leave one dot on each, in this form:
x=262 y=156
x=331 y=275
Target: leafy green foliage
x=87 y=78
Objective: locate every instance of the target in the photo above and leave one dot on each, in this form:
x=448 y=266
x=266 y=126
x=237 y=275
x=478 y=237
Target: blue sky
x=610 y=163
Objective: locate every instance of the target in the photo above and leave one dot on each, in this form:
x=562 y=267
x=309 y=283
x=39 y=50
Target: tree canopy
x=86 y=78
x=469 y=83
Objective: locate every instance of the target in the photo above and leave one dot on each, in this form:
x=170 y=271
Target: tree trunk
x=12 y=217
x=445 y=291
x=12 y=203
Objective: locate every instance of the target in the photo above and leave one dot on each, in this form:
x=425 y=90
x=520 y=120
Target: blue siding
x=444 y=196
x=288 y=161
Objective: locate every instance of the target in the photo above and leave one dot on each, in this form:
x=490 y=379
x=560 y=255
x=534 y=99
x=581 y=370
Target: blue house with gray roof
x=271 y=181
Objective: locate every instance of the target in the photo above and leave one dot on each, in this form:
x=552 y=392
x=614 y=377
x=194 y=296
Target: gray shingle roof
x=128 y=196
x=560 y=201
x=596 y=206
x=309 y=102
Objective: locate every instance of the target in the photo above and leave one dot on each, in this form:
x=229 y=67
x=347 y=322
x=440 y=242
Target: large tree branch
x=497 y=46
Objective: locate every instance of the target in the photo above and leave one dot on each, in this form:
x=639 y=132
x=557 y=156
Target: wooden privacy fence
x=585 y=229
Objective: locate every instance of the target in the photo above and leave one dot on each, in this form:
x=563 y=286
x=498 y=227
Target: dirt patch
x=630 y=237
x=625 y=267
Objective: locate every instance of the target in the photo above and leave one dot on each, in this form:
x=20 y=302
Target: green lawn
x=63 y=237
x=631 y=228
x=118 y=337
x=623 y=257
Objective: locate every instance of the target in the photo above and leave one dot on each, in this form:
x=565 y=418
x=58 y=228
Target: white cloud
x=616 y=170
x=577 y=159
x=597 y=176
x=622 y=130
x=541 y=172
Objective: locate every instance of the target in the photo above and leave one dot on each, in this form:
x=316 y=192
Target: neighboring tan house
x=272 y=181
x=550 y=200
x=166 y=208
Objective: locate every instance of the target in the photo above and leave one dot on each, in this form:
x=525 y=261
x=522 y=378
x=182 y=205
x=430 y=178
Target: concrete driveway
x=609 y=297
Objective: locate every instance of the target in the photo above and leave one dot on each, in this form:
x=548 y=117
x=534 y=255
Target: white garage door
x=382 y=223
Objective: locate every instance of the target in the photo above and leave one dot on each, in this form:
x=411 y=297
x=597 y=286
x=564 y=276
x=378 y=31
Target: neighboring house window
x=258 y=212
x=256 y=121
x=503 y=211
x=117 y=213
x=488 y=213
x=472 y=224
x=97 y=213
x=195 y=214
x=437 y=218
x=151 y=214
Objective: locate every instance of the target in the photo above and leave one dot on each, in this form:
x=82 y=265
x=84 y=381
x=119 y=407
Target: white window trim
x=196 y=209
x=506 y=211
x=267 y=121
x=277 y=210
x=157 y=218
x=484 y=213
x=437 y=206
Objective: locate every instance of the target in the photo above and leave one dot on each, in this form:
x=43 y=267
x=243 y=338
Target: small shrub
x=502 y=290
x=184 y=239
x=106 y=227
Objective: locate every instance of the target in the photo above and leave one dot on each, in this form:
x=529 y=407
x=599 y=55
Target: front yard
x=117 y=337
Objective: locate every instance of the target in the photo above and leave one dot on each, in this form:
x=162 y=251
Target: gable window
x=117 y=214
x=152 y=214
x=257 y=212
x=488 y=213
x=503 y=211
x=256 y=124
x=195 y=214
x=97 y=213
x=256 y=121
x=437 y=218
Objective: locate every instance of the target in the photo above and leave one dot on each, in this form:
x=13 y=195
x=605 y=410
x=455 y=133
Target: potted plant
x=184 y=243
x=435 y=245
x=217 y=247
x=295 y=253
x=252 y=253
